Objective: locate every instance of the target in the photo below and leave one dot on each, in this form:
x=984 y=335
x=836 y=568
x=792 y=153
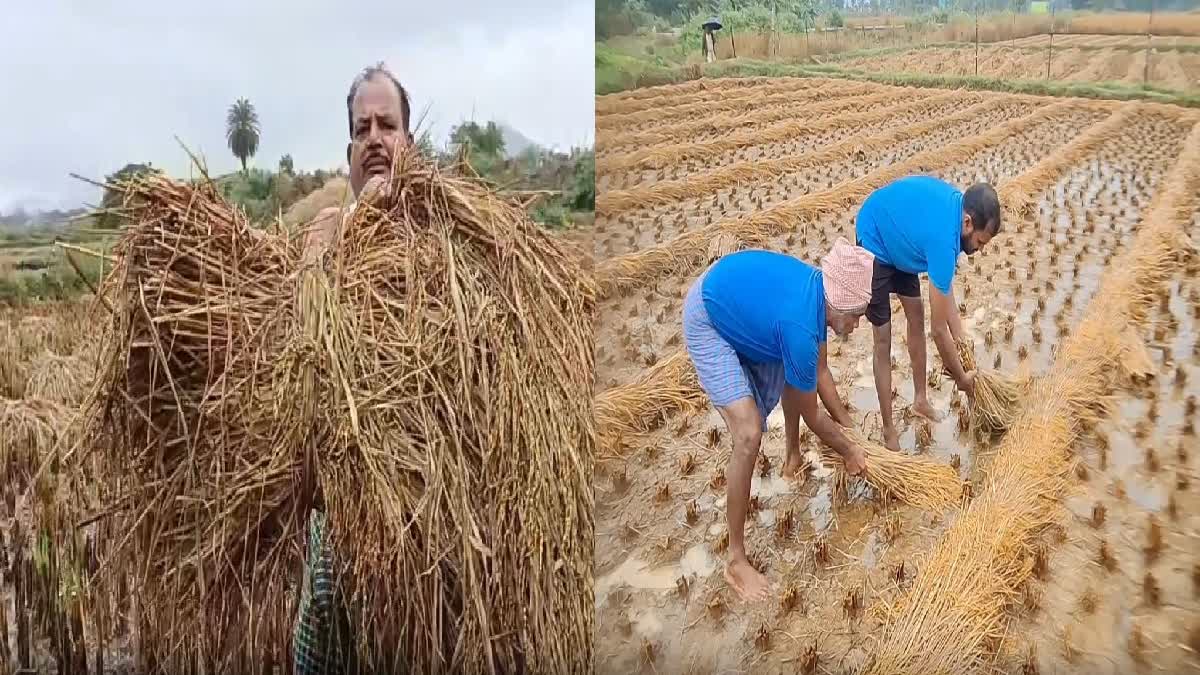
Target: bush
x=835 y=20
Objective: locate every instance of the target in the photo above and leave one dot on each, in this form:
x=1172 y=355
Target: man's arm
x=943 y=315
x=827 y=390
x=805 y=404
x=954 y=320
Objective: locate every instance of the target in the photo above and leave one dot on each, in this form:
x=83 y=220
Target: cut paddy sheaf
x=404 y=384
x=1077 y=187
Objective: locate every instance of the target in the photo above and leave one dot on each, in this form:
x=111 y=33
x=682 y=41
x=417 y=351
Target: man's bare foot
x=747 y=581
x=793 y=466
x=891 y=438
x=924 y=409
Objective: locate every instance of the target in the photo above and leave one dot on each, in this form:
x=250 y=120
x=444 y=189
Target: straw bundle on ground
x=62 y=379
x=913 y=479
x=613 y=102
x=723 y=91
x=954 y=617
x=665 y=156
x=428 y=388
x=851 y=97
x=743 y=173
x=722 y=245
x=13 y=366
x=29 y=428
x=997 y=396
x=685 y=252
x=687 y=106
x=640 y=406
x=1017 y=195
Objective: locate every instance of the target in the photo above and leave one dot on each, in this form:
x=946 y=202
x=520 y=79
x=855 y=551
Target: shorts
x=724 y=375
x=886 y=280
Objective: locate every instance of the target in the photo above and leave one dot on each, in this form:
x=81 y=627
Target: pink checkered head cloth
x=847 y=271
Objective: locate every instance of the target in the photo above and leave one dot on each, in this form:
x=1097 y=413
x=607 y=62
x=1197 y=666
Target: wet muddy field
x=835 y=563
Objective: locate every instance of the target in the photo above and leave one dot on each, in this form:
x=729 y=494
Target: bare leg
x=883 y=383
x=745 y=426
x=914 y=315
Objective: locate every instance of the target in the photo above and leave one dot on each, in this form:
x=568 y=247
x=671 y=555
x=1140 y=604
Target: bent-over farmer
x=755 y=324
x=915 y=225
x=378 y=111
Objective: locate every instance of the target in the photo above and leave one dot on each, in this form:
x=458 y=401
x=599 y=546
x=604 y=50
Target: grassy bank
x=650 y=76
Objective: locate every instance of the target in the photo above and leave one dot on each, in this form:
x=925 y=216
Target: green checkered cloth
x=321 y=643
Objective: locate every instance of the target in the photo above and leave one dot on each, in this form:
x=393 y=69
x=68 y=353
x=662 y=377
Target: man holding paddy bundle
x=755 y=324
x=915 y=225
x=378 y=111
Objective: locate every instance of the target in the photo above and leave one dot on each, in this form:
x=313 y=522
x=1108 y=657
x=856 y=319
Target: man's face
x=973 y=239
x=378 y=131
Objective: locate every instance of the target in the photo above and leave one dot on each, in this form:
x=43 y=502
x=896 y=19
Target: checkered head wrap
x=847 y=271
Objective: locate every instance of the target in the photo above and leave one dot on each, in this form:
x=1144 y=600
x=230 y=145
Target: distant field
x=1168 y=69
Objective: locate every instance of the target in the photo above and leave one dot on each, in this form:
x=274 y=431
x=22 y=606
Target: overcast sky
x=89 y=86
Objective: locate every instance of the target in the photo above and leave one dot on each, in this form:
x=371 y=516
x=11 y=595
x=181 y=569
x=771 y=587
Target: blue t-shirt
x=769 y=307
x=915 y=225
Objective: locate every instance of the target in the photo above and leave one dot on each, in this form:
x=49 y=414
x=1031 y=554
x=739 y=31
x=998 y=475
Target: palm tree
x=241 y=130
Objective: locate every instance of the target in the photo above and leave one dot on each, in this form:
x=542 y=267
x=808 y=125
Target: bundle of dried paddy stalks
x=188 y=428
x=608 y=101
x=61 y=379
x=640 y=406
x=997 y=396
x=683 y=107
x=722 y=245
x=912 y=479
x=13 y=366
x=29 y=428
x=460 y=492
x=428 y=387
x=743 y=173
x=684 y=253
x=1018 y=195
x=851 y=97
x=738 y=88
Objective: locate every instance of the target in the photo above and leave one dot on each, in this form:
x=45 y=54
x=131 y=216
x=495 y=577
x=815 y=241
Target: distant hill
x=514 y=141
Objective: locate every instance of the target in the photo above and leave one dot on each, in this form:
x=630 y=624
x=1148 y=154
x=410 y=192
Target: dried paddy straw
x=850 y=97
x=406 y=386
x=637 y=408
x=685 y=252
x=610 y=103
x=61 y=379
x=664 y=109
x=760 y=170
x=913 y=479
x=667 y=145
x=954 y=615
x=29 y=429
x=997 y=396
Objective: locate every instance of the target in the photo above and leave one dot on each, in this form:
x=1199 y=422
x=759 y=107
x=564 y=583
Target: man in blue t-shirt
x=755 y=325
x=914 y=225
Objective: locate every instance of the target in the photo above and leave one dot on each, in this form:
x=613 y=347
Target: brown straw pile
x=639 y=407
x=913 y=479
x=686 y=252
x=427 y=386
x=62 y=379
x=29 y=429
x=997 y=396
x=955 y=616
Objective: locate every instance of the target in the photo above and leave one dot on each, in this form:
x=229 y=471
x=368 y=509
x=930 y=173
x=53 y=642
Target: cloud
x=93 y=86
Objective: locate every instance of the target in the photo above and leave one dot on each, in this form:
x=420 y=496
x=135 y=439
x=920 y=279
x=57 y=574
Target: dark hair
x=981 y=203
x=367 y=74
